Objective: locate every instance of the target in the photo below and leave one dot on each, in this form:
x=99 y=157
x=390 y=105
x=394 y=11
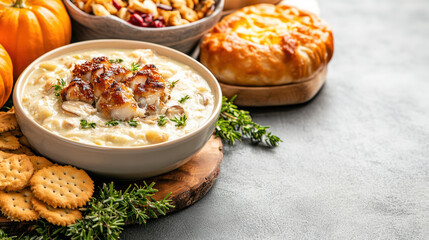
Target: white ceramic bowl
x=183 y=38
x=118 y=162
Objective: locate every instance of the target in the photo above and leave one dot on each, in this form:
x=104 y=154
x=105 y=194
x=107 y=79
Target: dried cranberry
x=157 y=24
x=161 y=19
x=145 y=24
x=116 y=4
x=148 y=18
x=139 y=13
x=136 y=19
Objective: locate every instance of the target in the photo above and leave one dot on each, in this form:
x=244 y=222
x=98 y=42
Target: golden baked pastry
x=266 y=44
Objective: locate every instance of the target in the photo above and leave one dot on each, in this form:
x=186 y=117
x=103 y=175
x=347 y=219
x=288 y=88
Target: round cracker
x=21 y=150
x=8 y=142
x=17 y=205
x=24 y=141
x=15 y=171
x=39 y=162
x=62 y=186
x=7 y=121
x=56 y=216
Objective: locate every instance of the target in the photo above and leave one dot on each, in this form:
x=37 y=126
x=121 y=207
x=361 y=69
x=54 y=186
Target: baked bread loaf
x=266 y=44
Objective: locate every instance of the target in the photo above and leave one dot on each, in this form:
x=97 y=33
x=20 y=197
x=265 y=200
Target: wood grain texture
x=287 y=94
x=187 y=184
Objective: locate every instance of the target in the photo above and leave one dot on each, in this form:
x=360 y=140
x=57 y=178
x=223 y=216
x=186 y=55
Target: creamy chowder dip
x=186 y=104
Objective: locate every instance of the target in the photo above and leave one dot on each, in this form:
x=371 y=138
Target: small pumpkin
x=29 y=28
x=6 y=76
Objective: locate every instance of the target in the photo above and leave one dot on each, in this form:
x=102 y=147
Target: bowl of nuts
x=178 y=24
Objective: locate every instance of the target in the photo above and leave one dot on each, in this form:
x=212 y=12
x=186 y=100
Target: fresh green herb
x=173 y=84
x=85 y=124
x=7 y=106
x=4 y=236
x=59 y=86
x=134 y=67
x=133 y=123
x=181 y=121
x=162 y=121
x=113 y=122
x=118 y=60
x=234 y=124
x=183 y=99
x=105 y=215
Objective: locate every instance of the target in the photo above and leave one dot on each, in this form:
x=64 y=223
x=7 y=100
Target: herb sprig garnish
x=105 y=215
x=113 y=122
x=234 y=124
x=181 y=121
x=173 y=84
x=85 y=124
x=134 y=67
x=117 y=60
x=133 y=123
x=162 y=120
x=7 y=106
x=61 y=83
x=183 y=99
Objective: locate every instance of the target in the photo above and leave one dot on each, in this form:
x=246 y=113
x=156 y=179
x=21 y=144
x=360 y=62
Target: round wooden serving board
x=287 y=94
x=187 y=184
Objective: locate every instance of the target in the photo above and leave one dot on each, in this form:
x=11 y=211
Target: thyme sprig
x=234 y=124
x=133 y=123
x=173 y=84
x=183 y=99
x=117 y=60
x=181 y=121
x=61 y=83
x=84 y=124
x=113 y=122
x=105 y=215
x=162 y=120
x=134 y=67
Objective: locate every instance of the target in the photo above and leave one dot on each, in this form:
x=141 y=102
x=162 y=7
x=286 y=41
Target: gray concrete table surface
x=354 y=163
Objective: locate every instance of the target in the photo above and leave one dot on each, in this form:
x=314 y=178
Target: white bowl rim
x=19 y=84
x=218 y=10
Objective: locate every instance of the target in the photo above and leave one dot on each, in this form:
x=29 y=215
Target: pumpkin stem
x=19 y=4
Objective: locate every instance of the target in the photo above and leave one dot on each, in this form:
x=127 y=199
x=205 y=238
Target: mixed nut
x=150 y=13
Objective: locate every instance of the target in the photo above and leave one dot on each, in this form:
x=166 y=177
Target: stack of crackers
x=32 y=187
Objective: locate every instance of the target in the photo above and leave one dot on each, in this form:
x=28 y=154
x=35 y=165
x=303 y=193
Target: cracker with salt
x=17 y=205
x=8 y=142
x=7 y=121
x=56 y=216
x=62 y=186
x=39 y=162
x=15 y=172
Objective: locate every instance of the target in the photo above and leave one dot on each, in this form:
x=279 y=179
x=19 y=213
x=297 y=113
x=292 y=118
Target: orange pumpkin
x=29 y=28
x=6 y=76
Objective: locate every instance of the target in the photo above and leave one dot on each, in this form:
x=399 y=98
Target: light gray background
x=354 y=162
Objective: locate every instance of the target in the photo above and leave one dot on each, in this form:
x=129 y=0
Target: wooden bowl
x=182 y=38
